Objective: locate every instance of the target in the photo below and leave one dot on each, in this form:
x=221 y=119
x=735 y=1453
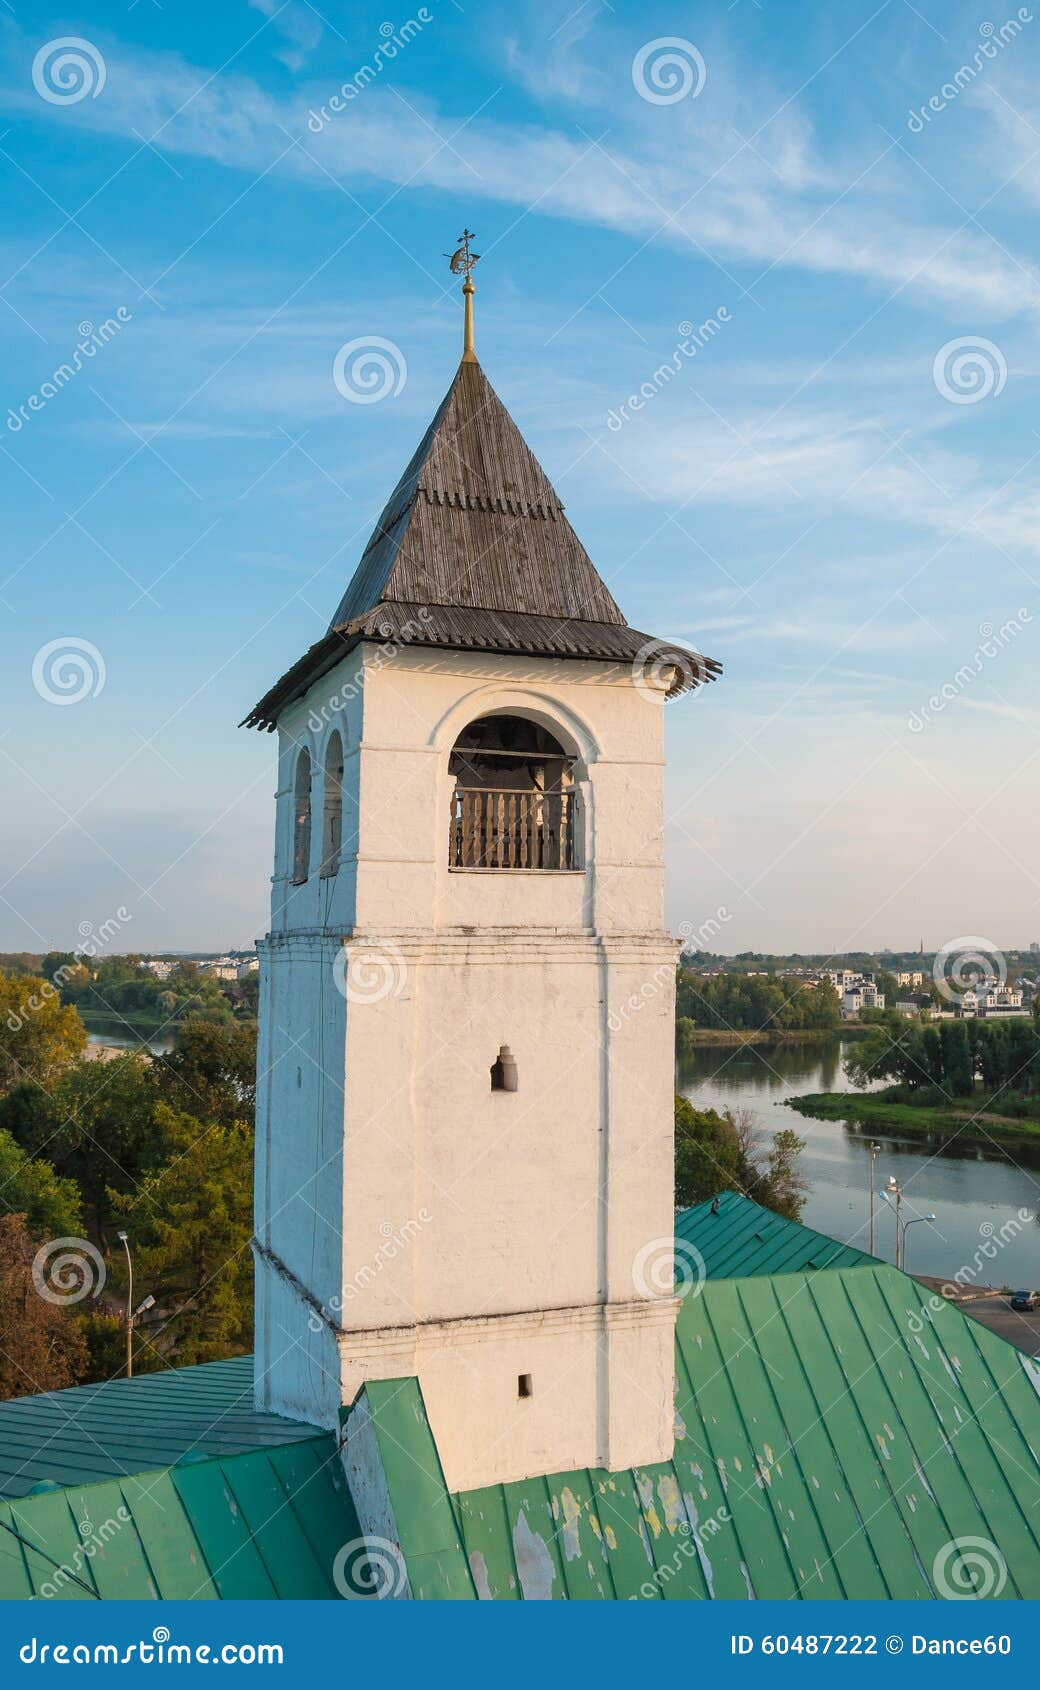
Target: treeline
x=953 y=1057
x=161 y=1147
x=122 y=985
x=777 y=1002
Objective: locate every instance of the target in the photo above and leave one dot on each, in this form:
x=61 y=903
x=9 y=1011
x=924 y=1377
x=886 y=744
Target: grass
x=885 y=1112
x=768 y=1036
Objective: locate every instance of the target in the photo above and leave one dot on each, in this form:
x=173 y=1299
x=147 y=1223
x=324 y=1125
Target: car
x=1025 y=1301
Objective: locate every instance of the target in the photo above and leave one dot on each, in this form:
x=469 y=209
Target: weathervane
x=461 y=263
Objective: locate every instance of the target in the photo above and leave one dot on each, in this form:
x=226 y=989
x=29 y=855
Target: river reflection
x=973 y=1188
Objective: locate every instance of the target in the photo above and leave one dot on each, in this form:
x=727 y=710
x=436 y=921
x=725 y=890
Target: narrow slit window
x=302 y=819
x=332 y=828
x=504 y=1073
x=524 y=1387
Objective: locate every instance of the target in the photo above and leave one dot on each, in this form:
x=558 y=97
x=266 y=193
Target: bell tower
x=464 y=1108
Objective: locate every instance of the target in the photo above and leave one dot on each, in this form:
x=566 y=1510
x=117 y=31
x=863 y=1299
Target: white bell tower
x=464 y=1110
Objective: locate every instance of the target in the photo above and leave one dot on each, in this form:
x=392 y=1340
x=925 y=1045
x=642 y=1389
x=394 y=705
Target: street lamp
x=125 y=1242
x=875 y=1151
x=893 y=1190
x=906 y=1227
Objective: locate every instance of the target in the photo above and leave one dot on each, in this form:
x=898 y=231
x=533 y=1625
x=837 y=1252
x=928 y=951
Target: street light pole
x=875 y=1150
x=906 y=1227
x=894 y=1190
x=124 y=1240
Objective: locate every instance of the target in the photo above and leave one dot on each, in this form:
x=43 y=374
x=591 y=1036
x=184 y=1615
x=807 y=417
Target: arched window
x=513 y=798
x=302 y=819
x=332 y=825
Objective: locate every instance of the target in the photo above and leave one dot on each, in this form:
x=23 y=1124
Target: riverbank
x=134 y=1021
x=882 y=1113
x=706 y=1037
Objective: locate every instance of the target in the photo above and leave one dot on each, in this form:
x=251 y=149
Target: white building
x=465 y=1116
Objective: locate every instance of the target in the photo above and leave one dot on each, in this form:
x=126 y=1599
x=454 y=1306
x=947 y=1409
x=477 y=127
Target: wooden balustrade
x=511 y=827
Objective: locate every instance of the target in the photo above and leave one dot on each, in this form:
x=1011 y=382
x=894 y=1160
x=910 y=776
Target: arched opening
x=332 y=824
x=513 y=797
x=302 y=819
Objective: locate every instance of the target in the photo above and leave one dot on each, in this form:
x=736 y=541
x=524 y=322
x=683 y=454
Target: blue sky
x=829 y=497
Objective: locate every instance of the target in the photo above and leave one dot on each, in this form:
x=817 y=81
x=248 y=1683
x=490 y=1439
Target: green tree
x=29 y=1186
x=958 y=1069
x=191 y=1222
x=39 y=1036
x=715 y=1153
x=211 y=1071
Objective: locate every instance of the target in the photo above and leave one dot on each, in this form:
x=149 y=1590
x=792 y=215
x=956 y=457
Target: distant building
x=250 y=966
x=161 y=970
x=908 y=1007
x=910 y=979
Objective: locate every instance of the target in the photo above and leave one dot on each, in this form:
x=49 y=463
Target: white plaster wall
x=404 y=1194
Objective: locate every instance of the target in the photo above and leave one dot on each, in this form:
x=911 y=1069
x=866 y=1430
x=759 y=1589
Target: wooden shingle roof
x=474 y=552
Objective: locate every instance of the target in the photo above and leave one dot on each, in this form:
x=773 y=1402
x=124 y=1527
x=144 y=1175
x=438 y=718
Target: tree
x=97 y=1126
x=958 y=1068
x=211 y=1071
x=715 y=1153
x=39 y=1036
x=41 y=1345
x=29 y=1186
x=191 y=1223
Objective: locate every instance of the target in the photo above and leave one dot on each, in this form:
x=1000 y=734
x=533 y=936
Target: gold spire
x=461 y=263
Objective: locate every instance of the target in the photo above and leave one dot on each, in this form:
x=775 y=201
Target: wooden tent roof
x=473 y=552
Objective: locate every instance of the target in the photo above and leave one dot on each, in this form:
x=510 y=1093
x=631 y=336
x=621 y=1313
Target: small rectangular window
x=524 y=1388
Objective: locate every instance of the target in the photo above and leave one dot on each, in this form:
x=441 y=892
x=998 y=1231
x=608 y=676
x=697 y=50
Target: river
x=973 y=1193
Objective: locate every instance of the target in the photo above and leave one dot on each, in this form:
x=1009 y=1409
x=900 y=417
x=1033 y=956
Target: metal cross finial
x=462 y=260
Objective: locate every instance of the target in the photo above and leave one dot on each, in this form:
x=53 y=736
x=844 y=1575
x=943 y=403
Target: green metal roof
x=741 y=1239
x=835 y=1434
x=125 y=1426
x=267 y=1524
